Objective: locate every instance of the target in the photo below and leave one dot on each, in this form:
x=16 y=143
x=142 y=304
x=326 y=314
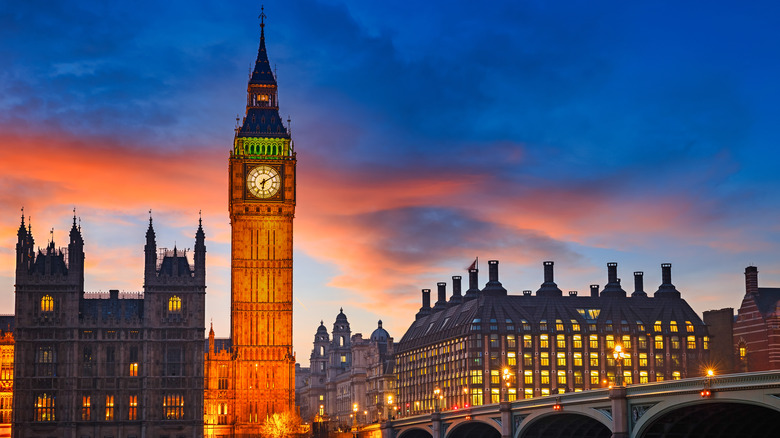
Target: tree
x=280 y=425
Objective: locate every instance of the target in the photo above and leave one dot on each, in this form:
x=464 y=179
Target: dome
x=380 y=334
x=321 y=330
x=341 y=317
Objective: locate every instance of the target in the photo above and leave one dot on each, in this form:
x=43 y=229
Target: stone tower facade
x=92 y=365
x=261 y=183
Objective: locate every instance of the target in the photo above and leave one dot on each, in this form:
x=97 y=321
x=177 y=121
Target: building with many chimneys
x=94 y=365
x=345 y=370
x=549 y=342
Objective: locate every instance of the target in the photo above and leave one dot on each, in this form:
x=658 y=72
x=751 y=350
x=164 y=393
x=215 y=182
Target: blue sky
x=427 y=134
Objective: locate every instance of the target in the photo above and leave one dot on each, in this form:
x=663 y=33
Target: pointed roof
x=262 y=74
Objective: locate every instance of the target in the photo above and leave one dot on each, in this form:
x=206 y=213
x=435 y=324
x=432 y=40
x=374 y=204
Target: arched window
x=341 y=341
x=174 y=304
x=47 y=304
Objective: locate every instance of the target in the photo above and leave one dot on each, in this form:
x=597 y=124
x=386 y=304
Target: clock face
x=263 y=181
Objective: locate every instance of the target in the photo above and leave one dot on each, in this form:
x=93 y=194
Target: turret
x=200 y=251
x=150 y=252
x=76 y=253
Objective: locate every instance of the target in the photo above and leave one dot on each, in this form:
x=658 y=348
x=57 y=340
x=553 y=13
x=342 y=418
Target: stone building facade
x=548 y=342
x=346 y=370
x=6 y=374
x=95 y=365
x=751 y=340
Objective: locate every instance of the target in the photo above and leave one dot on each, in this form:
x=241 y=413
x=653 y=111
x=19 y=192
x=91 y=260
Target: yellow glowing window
x=575 y=326
x=134 y=369
x=594 y=378
x=173 y=407
x=174 y=304
x=561 y=378
x=561 y=359
x=544 y=341
x=659 y=342
x=643 y=377
x=688 y=327
x=264 y=97
x=494 y=377
x=47 y=304
x=577 y=359
x=133 y=408
x=527 y=341
x=706 y=342
x=610 y=341
x=642 y=359
x=528 y=377
x=691 y=342
x=109 y=408
x=528 y=393
x=675 y=375
x=545 y=377
x=594 y=359
x=44 y=407
x=657 y=326
x=545 y=391
x=742 y=351
x=626 y=341
x=673 y=326
x=560 y=341
x=594 y=342
x=544 y=359
x=577 y=341
x=86 y=408
x=511 y=358
x=559 y=325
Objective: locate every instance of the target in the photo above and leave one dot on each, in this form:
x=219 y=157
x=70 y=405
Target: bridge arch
x=573 y=423
x=710 y=418
x=415 y=432
x=473 y=428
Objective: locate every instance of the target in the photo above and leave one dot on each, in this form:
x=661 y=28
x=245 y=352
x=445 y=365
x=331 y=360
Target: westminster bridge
x=734 y=405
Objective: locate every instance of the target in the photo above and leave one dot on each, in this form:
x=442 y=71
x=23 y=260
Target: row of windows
x=590 y=316
x=45 y=403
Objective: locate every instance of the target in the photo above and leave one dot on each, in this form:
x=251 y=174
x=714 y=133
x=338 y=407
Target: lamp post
x=437 y=395
x=507 y=375
x=619 y=355
x=389 y=405
x=354 y=420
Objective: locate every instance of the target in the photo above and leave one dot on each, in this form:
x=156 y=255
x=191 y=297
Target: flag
x=473 y=265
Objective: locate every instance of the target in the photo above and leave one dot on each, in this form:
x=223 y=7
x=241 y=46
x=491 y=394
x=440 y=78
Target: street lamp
x=506 y=376
x=389 y=405
x=619 y=355
x=436 y=393
x=354 y=420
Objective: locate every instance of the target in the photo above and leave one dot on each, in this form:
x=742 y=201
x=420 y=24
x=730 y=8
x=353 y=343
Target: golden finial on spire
x=262 y=16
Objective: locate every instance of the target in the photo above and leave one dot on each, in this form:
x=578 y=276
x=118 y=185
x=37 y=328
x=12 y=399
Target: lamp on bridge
x=389 y=405
x=706 y=392
x=437 y=399
x=619 y=355
x=507 y=376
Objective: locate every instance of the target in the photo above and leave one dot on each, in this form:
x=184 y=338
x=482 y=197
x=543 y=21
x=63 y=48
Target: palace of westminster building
x=76 y=364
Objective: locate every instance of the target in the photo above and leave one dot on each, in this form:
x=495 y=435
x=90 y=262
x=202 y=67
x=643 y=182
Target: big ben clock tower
x=262 y=207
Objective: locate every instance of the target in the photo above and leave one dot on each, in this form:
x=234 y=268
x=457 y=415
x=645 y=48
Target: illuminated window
x=343 y=358
x=544 y=359
x=544 y=341
x=495 y=378
x=47 y=304
x=561 y=359
x=45 y=361
x=476 y=377
x=476 y=397
x=610 y=342
x=675 y=342
x=528 y=341
x=528 y=393
x=528 y=360
x=594 y=342
x=86 y=408
x=561 y=377
x=659 y=361
x=174 y=304
x=512 y=394
x=545 y=380
x=134 y=369
x=688 y=327
x=560 y=341
x=675 y=375
x=627 y=377
x=173 y=407
x=577 y=341
x=109 y=408
x=742 y=351
x=545 y=392
x=495 y=395
x=691 y=345
x=673 y=326
x=559 y=325
x=640 y=326
x=594 y=359
x=511 y=342
x=657 y=327
x=594 y=378
x=132 y=413
x=626 y=341
x=642 y=359
x=643 y=377
x=659 y=376
x=659 y=342
x=528 y=377
x=222 y=412
x=706 y=342
x=575 y=326
x=627 y=361
x=44 y=407
x=642 y=341
x=577 y=359
x=578 y=378
x=511 y=358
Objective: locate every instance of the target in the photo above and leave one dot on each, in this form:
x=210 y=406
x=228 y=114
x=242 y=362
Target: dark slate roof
x=263 y=122
x=113 y=307
x=380 y=334
x=767 y=299
x=181 y=263
x=7 y=323
x=220 y=344
x=56 y=264
x=262 y=74
x=457 y=321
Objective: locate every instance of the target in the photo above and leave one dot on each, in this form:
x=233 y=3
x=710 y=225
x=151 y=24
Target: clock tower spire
x=261 y=206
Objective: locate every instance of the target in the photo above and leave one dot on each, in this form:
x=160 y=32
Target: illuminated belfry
x=261 y=207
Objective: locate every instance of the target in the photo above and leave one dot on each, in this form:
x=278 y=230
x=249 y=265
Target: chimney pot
x=638 y=281
x=612 y=272
x=456 y=286
x=426 y=298
x=751 y=280
x=548 y=271
x=666 y=273
x=594 y=290
x=493 y=270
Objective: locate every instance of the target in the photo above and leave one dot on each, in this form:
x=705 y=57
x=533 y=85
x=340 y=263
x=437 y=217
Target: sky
x=427 y=134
